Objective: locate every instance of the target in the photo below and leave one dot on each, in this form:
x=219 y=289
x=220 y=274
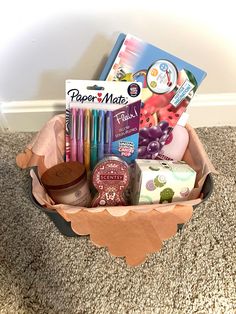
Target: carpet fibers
x=42 y=271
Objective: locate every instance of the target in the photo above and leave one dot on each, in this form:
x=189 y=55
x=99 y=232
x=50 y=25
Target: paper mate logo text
x=99 y=97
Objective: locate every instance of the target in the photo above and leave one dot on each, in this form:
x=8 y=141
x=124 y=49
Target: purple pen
x=101 y=131
x=80 y=135
x=108 y=132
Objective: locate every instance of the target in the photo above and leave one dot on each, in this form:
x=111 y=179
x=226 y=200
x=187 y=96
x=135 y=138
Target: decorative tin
x=110 y=178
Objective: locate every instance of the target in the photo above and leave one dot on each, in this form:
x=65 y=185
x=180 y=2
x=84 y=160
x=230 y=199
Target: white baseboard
x=28 y=116
x=206 y=110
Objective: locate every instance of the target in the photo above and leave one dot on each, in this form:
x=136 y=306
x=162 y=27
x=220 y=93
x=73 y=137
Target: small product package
x=102 y=118
x=162 y=181
x=169 y=84
x=110 y=178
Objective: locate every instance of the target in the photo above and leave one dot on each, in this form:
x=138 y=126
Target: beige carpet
x=41 y=271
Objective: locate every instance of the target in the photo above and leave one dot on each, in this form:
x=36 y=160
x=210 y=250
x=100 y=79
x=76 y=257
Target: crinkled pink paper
x=119 y=228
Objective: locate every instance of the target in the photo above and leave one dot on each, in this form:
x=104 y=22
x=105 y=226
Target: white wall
x=42 y=43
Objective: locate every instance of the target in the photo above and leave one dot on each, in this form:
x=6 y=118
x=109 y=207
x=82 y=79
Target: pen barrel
x=80 y=150
x=94 y=139
x=108 y=149
x=87 y=156
x=73 y=152
x=100 y=152
x=73 y=141
x=108 y=133
x=80 y=136
x=87 y=140
x=93 y=156
x=108 y=143
x=67 y=148
x=101 y=134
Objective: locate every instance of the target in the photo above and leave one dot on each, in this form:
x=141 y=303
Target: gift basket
x=121 y=165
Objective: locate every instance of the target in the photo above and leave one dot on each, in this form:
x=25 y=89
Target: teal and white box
x=162 y=181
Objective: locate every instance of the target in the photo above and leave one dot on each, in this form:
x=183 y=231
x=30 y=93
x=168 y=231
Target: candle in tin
x=110 y=178
x=66 y=183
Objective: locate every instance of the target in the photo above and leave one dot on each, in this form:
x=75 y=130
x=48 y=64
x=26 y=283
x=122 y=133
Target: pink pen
x=73 y=140
x=67 y=135
x=67 y=147
x=80 y=135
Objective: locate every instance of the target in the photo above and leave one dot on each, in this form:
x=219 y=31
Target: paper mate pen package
x=169 y=84
x=109 y=113
x=125 y=135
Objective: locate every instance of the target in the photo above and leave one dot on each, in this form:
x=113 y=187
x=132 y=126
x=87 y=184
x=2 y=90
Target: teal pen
x=94 y=139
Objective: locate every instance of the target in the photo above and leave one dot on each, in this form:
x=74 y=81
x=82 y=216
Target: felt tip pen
x=87 y=124
x=80 y=136
x=94 y=139
x=73 y=140
x=67 y=134
x=101 y=128
x=67 y=148
x=108 y=132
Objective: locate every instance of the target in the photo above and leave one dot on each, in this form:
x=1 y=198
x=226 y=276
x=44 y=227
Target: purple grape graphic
x=152 y=139
x=150 y=186
x=144 y=133
x=163 y=125
x=142 y=150
x=163 y=139
x=155 y=132
x=153 y=147
x=166 y=131
x=143 y=142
